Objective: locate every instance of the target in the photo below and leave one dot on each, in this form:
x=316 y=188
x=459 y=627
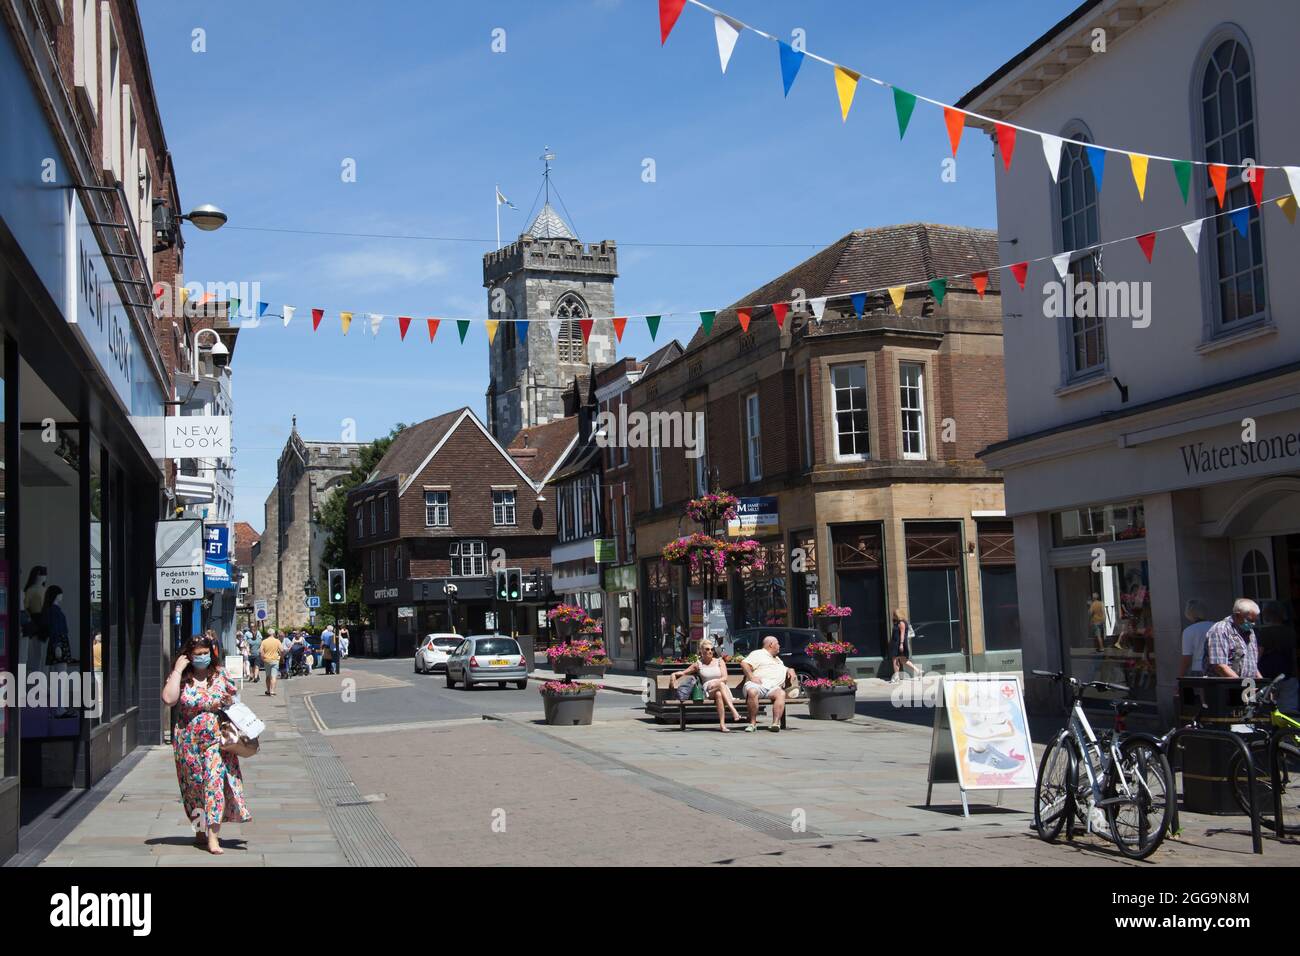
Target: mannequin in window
x=33 y=619
x=58 y=648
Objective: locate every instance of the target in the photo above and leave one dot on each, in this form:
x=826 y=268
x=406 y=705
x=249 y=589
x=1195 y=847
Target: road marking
x=313 y=713
x=409 y=725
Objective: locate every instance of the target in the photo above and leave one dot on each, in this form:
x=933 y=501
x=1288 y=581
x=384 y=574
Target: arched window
x=1256 y=578
x=570 y=345
x=1077 y=205
x=1227 y=119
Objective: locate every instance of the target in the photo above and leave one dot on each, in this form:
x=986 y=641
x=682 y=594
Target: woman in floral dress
x=212 y=788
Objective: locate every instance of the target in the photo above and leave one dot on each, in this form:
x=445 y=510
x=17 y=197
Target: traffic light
x=515 y=584
x=338 y=586
x=503 y=587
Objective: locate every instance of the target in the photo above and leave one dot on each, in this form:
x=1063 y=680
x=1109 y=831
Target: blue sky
x=261 y=123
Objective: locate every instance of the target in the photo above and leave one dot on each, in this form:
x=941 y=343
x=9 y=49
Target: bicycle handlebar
x=1094 y=684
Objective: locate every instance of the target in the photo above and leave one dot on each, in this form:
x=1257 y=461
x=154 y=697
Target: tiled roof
x=413 y=444
x=874 y=259
x=549 y=225
x=245 y=537
x=546 y=443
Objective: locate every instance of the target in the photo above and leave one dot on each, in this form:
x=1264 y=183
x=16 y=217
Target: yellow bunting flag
x=896 y=293
x=1138 y=163
x=1288 y=206
x=346 y=318
x=492 y=329
x=846 y=84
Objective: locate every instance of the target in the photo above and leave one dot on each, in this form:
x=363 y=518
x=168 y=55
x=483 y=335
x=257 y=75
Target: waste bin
x=526 y=649
x=1206 y=787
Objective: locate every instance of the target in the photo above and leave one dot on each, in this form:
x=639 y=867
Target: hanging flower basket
x=828 y=617
x=566 y=618
x=830 y=655
x=568 y=704
x=578 y=658
x=713 y=508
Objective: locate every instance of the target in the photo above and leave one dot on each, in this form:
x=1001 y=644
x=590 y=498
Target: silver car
x=484 y=658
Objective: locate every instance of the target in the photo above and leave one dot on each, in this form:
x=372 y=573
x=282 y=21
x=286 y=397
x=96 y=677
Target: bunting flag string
x=729 y=28
x=1239 y=217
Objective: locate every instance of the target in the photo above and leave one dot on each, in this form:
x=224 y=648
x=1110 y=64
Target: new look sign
x=196 y=436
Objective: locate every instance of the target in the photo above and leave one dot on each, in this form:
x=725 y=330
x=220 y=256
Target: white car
x=433 y=652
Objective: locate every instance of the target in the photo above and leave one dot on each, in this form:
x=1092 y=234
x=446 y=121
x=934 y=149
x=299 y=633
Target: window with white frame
x=374 y=525
x=437 y=509
x=85 y=55
x=386 y=525
x=852 y=437
x=753 y=437
x=503 y=507
x=111 y=87
x=1227 y=102
x=656 y=477
x=468 y=559
x=911 y=402
x=702 y=462
x=1077 y=192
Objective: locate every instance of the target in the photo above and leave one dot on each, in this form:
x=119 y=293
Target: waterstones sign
x=1201 y=458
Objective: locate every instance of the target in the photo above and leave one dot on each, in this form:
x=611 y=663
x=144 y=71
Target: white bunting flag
x=288 y=315
x=1192 y=230
x=1052 y=153
x=728 y=30
x=1062 y=263
x=375 y=322
x=1293 y=177
x=554 y=326
x=818 y=307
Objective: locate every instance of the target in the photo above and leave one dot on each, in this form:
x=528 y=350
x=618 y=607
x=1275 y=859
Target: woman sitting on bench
x=711 y=671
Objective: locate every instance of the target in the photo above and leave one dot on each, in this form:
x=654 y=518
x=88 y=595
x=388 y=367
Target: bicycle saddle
x=1123 y=707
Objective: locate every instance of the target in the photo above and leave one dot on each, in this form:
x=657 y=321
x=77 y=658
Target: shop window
x=661 y=597
x=1105 y=623
x=1096 y=524
x=803 y=570
x=852 y=437
x=1227 y=127
x=997 y=557
x=934 y=589
x=764 y=597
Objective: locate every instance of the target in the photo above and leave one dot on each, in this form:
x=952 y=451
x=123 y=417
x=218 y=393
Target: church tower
x=552 y=281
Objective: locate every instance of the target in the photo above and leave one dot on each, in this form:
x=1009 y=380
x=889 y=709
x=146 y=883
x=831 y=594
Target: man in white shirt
x=766 y=677
x=1194 y=638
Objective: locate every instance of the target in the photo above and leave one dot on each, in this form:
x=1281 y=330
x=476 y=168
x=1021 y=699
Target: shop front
x=1119 y=524
x=404 y=611
x=622 y=632
x=80 y=637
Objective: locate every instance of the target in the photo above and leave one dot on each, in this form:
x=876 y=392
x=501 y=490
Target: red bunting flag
x=1219 y=176
x=619 y=325
x=956 y=122
x=433 y=327
x=669 y=11
x=585 y=325
x=403 y=323
x=1148 y=243
x=981 y=281
x=1020 y=270
x=1006 y=143
x=742 y=315
x=779 y=310
x=1257 y=185
x=316 y=316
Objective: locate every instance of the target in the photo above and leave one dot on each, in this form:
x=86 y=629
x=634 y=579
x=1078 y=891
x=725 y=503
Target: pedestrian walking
x=1194 y=635
x=212 y=787
x=345 y=643
x=900 y=645
x=271 y=651
x=328 y=650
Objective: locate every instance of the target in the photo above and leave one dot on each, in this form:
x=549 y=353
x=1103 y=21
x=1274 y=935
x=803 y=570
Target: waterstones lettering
x=1202 y=457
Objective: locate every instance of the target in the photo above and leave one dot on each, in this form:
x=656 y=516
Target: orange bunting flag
x=779 y=310
x=585 y=325
x=955 y=120
x=1219 y=176
x=433 y=327
x=1148 y=243
x=619 y=325
x=1006 y=143
x=403 y=323
x=316 y=316
x=1020 y=270
x=742 y=316
x=981 y=282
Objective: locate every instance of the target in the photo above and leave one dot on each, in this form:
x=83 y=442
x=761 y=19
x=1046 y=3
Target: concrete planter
x=573 y=665
x=837 y=703
x=569 y=710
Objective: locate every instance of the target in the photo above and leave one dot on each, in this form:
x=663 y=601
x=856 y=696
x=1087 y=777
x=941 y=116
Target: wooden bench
x=666 y=702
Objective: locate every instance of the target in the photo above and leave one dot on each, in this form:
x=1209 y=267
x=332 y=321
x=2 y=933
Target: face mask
x=201 y=660
x=1246 y=627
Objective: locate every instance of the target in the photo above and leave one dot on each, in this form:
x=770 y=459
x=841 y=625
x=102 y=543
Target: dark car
x=794 y=642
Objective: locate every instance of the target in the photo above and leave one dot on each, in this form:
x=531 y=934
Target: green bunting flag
x=652 y=323
x=232 y=308
x=1183 y=171
x=940 y=288
x=904 y=103
x=462 y=326
x=706 y=320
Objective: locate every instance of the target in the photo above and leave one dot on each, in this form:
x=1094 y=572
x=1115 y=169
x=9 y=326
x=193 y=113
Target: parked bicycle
x=1262 y=717
x=1126 y=792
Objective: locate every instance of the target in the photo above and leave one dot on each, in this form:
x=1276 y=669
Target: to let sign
x=196 y=436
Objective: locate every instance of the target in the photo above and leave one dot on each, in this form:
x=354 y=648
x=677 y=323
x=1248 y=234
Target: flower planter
x=835 y=703
x=569 y=710
x=572 y=665
x=831 y=663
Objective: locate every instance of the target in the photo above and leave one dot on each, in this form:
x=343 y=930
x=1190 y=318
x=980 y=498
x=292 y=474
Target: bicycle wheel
x=1141 y=819
x=1052 y=792
x=1288 y=770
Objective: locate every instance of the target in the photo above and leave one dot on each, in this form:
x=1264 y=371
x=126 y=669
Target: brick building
x=448 y=505
x=853 y=441
x=292 y=544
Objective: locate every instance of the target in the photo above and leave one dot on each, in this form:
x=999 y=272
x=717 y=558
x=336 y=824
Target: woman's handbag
x=686 y=688
x=697 y=692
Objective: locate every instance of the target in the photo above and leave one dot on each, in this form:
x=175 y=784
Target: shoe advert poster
x=990 y=732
